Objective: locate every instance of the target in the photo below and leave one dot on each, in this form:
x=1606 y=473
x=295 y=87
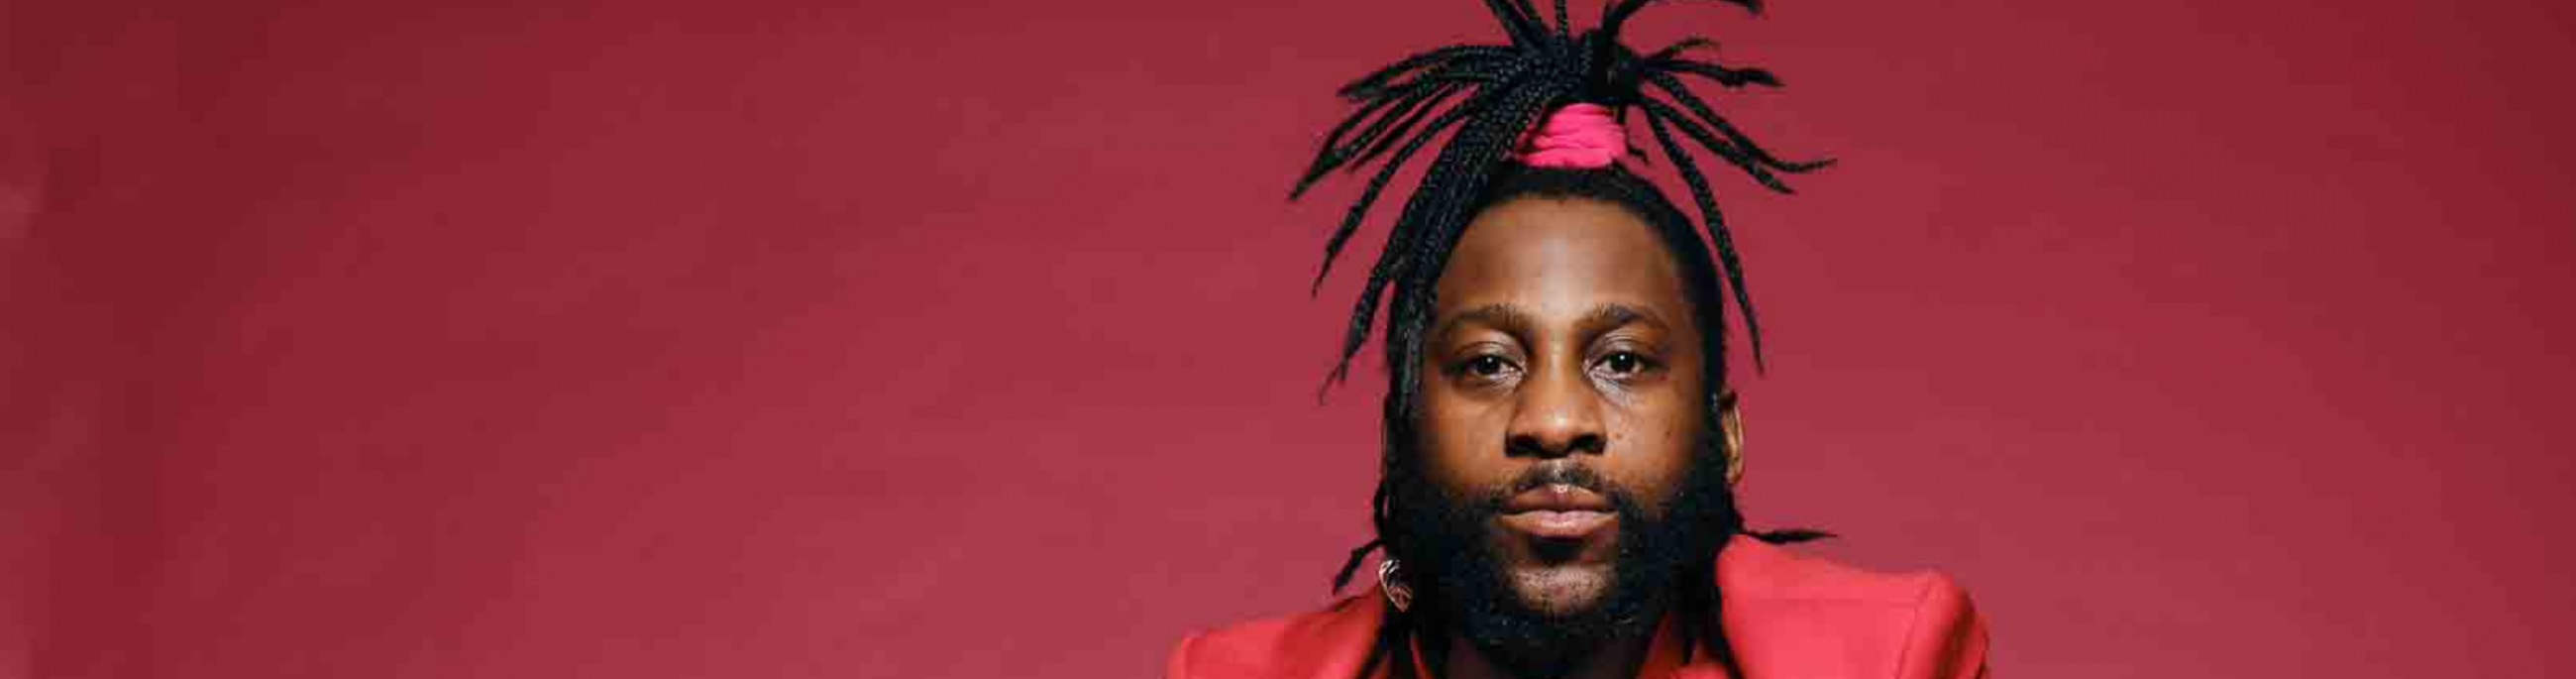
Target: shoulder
x=1327 y=644
x=1813 y=617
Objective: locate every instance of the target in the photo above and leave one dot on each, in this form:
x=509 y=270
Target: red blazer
x=1787 y=616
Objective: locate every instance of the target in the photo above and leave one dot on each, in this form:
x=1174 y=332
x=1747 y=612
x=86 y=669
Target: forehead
x=1559 y=258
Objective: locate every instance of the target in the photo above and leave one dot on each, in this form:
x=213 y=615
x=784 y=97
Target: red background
x=642 y=339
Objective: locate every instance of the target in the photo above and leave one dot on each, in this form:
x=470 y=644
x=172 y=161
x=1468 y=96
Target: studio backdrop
x=914 y=339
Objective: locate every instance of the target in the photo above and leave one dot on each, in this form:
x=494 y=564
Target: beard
x=1471 y=585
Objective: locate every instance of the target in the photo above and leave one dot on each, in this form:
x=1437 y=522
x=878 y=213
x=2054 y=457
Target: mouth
x=1558 y=512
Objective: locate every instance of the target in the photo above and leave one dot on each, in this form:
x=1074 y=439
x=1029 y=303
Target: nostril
x=1528 y=445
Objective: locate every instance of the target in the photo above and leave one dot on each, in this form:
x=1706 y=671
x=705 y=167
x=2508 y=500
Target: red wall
x=747 y=339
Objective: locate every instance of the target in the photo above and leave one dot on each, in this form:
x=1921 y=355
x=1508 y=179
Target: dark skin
x=1561 y=336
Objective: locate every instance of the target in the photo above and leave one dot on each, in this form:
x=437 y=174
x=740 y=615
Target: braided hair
x=1499 y=92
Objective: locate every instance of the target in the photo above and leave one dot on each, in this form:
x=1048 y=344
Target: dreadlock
x=1493 y=93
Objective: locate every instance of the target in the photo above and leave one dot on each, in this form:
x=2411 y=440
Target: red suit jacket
x=1788 y=616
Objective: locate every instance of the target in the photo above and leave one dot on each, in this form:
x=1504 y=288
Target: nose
x=1558 y=415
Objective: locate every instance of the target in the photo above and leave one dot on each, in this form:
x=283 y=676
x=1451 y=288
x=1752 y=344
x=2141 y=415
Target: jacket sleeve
x=1948 y=639
x=1178 y=667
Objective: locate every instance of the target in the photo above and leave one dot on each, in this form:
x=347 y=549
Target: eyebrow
x=1613 y=315
x=1499 y=315
x=1512 y=319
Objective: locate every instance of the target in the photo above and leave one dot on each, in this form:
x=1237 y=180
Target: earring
x=1730 y=418
x=1390 y=578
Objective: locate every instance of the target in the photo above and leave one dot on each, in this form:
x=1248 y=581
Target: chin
x=1562 y=589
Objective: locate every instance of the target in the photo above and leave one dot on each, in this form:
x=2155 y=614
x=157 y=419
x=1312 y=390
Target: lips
x=1558 y=511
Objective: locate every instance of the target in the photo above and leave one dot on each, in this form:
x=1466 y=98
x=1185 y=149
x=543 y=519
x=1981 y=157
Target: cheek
x=1652 y=448
x=1461 y=441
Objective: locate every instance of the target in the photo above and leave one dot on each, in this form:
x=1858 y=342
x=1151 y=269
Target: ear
x=1730 y=423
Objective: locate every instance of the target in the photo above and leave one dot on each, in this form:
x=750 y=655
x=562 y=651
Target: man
x=1560 y=443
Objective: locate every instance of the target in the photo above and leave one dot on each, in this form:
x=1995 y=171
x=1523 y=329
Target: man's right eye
x=1487 y=365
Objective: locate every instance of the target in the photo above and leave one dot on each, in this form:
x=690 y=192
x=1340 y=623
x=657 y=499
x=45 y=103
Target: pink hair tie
x=1583 y=136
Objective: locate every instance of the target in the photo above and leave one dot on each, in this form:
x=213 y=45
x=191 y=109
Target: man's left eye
x=1623 y=363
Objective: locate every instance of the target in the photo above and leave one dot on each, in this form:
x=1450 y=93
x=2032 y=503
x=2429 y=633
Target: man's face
x=1562 y=418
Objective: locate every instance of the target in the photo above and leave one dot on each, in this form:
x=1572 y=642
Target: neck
x=1619 y=658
